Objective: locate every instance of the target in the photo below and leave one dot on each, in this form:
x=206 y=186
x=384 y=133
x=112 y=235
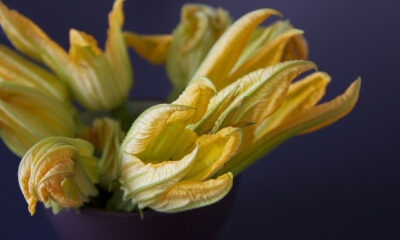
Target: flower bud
x=106 y=135
x=60 y=172
x=199 y=29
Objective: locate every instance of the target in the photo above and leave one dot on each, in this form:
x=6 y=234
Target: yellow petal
x=106 y=136
x=214 y=151
x=116 y=50
x=81 y=39
x=16 y=68
x=151 y=126
x=198 y=30
x=226 y=51
x=28 y=115
x=188 y=194
x=142 y=182
x=153 y=48
x=100 y=81
x=302 y=95
x=328 y=113
x=161 y=133
x=28 y=38
x=215 y=108
x=93 y=79
x=296 y=49
x=309 y=120
x=196 y=95
x=261 y=93
x=267 y=55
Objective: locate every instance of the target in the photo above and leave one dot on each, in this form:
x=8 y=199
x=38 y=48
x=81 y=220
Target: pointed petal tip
x=205 y=81
x=355 y=86
x=358 y=81
x=31 y=203
x=343 y=104
x=270 y=11
x=324 y=75
x=296 y=31
x=312 y=65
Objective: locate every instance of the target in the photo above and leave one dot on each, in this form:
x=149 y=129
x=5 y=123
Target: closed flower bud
x=28 y=115
x=60 y=172
x=199 y=29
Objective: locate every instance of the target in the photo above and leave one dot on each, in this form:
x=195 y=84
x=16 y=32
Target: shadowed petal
x=189 y=194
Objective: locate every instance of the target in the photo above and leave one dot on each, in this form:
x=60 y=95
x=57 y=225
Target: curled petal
x=302 y=95
x=267 y=55
x=189 y=194
x=261 y=93
x=152 y=131
x=143 y=182
x=197 y=95
x=161 y=133
x=327 y=113
x=297 y=48
x=216 y=107
x=214 y=151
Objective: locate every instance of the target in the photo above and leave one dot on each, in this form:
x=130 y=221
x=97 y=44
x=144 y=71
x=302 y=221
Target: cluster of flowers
x=232 y=102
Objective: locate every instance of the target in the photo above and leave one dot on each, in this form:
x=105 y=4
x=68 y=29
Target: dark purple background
x=338 y=183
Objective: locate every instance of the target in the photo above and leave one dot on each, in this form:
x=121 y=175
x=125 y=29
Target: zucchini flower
x=28 y=115
x=98 y=80
x=198 y=30
x=60 y=172
x=168 y=167
x=106 y=136
x=270 y=109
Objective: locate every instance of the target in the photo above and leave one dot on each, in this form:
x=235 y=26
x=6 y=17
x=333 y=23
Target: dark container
x=203 y=223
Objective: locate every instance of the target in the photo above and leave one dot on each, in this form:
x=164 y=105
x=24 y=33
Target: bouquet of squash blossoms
x=235 y=97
